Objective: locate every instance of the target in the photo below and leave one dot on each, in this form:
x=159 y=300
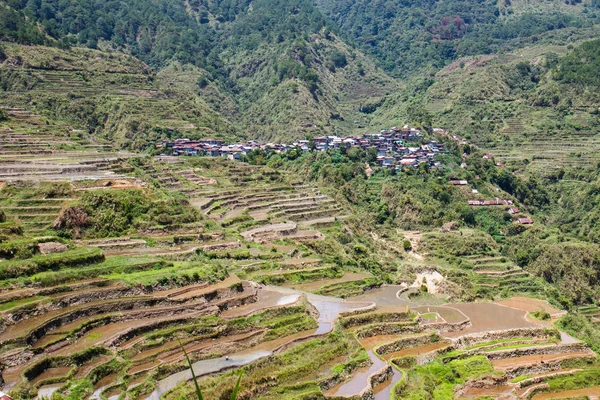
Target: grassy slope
x=113 y=95
x=121 y=99
x=523 y=118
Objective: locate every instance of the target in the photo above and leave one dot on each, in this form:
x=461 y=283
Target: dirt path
x=414 y=237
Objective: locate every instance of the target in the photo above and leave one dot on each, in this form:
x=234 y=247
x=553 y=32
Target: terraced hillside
x=108 y=270
x=110 y=95
x=513 y=105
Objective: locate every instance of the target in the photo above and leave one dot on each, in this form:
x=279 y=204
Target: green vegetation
x=582 y=328
x=130 y=262
x=430 y=35
x=236 y=388
x=114 y=213
x=40 y=263
x=436 y=380
x=580 y=66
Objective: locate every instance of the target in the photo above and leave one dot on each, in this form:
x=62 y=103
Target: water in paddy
x=360 y=379
x=102 y=384
x=386 y=295
x=383 y=391
x=51 y=373
x=45 y=392
x=568 y=394
x=567 y=339
x=475 y=393
x=328 y=308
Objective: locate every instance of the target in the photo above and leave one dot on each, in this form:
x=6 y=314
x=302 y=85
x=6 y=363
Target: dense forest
x=338 y=65
x=409 y=37
x=158 y=32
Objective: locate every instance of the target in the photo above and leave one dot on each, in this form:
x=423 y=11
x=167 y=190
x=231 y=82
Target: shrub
x=72 y=220
x=56 y=261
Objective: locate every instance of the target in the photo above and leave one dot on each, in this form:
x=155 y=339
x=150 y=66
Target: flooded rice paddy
x=487 y=317
x=249 y=345
x=360 y=380
x=329 y=308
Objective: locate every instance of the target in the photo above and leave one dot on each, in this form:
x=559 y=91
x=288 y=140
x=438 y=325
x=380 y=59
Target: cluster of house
x=497 y=202
x=392 y=147
x=490 y=203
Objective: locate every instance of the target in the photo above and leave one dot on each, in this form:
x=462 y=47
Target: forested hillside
x=280 y=65
x=423 y=36
x=288 y=69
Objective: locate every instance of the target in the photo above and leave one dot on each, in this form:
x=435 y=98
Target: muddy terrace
x=245 y=266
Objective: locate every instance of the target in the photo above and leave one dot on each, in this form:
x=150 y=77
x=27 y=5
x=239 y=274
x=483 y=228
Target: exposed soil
x=415 y=351
x=575 y=393
x=537 y=359
x=494 y=391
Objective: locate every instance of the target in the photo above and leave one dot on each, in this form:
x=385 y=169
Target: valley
x=245 y=273
x=299 y=200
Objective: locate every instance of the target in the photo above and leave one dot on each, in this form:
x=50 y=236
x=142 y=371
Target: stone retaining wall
x=448 y=326
x=388 y=329
x=481 y=337
x=407 y=342
x=374 y=317
x=527 y=351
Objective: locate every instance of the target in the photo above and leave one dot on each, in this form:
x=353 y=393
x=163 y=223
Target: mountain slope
x=275 y=70
x=535 y=108
x=411 y=37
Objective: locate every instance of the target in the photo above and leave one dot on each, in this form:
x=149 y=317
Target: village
x=395 y=149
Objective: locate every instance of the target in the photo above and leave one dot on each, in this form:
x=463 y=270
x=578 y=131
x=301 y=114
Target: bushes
x=72 y=219
x=112 y=213
x=437 y=379
x=582 y=328
x=76 y=257
x=581 y=65
x=574 y=268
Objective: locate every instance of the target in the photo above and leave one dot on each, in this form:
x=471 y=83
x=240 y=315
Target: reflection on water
x=360 y=379
x=47 y=390
x=383 y=391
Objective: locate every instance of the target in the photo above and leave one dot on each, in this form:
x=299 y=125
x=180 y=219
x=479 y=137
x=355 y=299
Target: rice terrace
x=299 y=200
x=245 y=273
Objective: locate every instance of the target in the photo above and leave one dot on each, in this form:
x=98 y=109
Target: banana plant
x=236 y=388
